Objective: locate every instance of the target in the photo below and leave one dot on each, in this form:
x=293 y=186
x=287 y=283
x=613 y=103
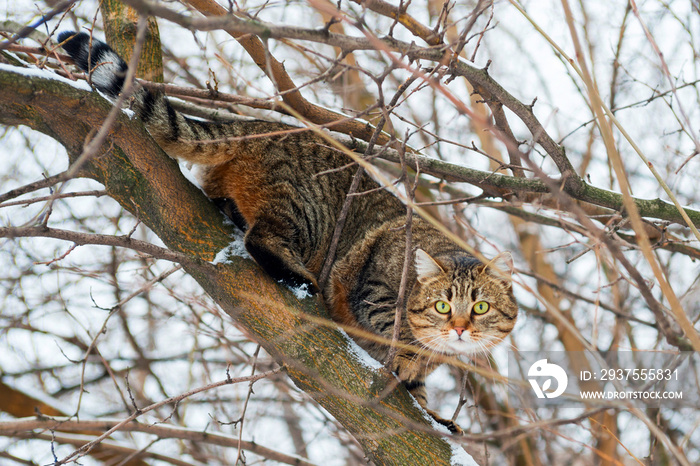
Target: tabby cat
x=285 y=189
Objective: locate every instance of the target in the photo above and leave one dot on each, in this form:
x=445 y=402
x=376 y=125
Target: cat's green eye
x=482 y=307
x=442 y=307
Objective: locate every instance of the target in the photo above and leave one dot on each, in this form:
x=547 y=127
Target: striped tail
x=106 y=69
x=191 y=140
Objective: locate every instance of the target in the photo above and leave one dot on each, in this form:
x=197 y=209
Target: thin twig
x=401 y=299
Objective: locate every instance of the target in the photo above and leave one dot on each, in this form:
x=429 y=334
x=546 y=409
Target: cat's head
x=460 y=305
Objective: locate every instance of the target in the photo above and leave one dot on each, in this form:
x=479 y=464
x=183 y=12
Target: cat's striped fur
x=285 y=188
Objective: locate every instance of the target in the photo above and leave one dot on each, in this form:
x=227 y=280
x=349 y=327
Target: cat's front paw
x=451 y=425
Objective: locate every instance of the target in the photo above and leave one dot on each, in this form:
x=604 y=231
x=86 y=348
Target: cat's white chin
x=465 y=347
x=457 y=346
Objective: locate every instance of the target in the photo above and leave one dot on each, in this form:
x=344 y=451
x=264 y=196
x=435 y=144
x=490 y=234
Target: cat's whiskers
x=490 y=342
x=431 y=346
x=484 y=348
x=421 y=345
x=483 y=344
x=432 y=354
x=510 y=345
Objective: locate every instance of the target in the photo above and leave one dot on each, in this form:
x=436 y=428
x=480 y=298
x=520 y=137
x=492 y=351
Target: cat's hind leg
x=270 y=241
x=230 y=209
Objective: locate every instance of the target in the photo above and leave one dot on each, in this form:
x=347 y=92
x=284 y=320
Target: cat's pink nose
x=459 y=331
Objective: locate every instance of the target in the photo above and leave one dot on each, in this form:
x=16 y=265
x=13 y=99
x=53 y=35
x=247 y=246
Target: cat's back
x=300 y=177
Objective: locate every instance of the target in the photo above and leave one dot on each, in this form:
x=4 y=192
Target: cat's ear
x=426 y=266
x=501 y=266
